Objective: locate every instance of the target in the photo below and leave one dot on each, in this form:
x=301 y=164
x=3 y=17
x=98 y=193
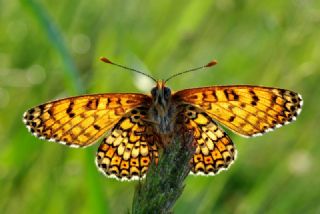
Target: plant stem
x=164 y=182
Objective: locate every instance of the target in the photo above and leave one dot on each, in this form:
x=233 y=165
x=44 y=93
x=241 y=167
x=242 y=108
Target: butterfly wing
x=246 y=110
x=128 y=151
x=215 y=150
x=80 y=121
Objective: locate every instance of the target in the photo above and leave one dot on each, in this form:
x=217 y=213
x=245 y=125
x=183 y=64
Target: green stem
x=164 y=182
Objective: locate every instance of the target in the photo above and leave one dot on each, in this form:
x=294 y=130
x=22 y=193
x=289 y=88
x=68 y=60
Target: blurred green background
x=50 y=50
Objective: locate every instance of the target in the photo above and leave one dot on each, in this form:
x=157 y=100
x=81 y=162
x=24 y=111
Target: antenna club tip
x=211 y=63
x=106 y=60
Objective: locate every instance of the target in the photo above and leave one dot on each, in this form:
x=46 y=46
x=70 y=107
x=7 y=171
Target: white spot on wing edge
x=24 y=120
x=29 y=130
x=255 y=135
x=268 y=130
x=24 y=114
x=74 y=146
x=299 y=111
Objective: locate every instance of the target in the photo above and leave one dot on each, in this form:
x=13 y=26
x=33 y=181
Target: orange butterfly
x=137 y=125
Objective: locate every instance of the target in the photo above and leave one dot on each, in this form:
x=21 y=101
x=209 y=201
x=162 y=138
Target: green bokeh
x=50 y=50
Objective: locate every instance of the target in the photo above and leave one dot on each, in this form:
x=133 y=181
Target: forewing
x=80 y=121
x=246 y=110
x=215 y=150
x=130 y=148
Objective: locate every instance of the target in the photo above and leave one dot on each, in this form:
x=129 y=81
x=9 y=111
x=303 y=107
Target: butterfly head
x=161 y=95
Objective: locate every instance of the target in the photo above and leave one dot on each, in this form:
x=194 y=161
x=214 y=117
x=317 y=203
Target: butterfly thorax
x=162 y=111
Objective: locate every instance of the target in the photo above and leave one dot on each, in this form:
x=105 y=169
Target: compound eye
x=153 y=92
x=167 y=92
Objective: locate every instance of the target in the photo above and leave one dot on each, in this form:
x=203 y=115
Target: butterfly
x=135 y=127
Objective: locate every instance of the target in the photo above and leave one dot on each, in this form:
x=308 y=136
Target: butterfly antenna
x=106 y=60
x=210 y=64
